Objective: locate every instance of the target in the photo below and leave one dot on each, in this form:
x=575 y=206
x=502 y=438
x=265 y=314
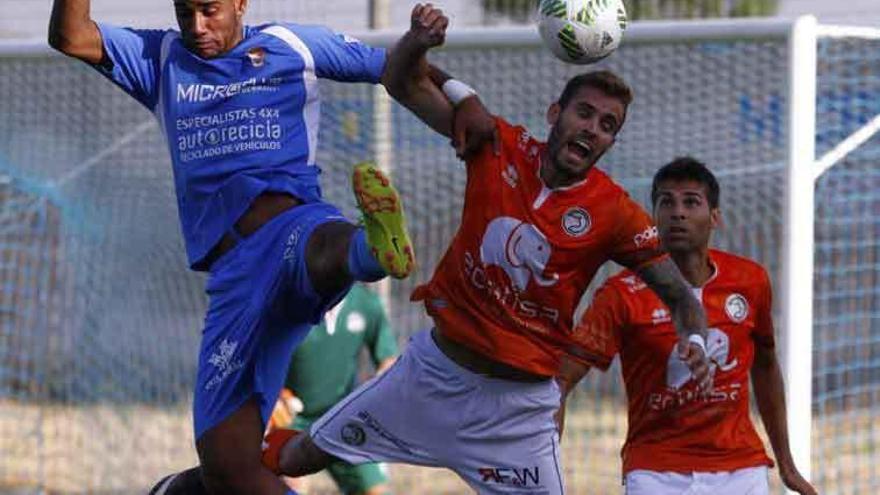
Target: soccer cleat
x=273 y=442
x=383 y=220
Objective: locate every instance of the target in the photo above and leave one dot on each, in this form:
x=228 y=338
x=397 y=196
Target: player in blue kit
x=240 y=107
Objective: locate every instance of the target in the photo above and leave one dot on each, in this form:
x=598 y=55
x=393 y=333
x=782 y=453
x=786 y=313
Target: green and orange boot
x=383 y=220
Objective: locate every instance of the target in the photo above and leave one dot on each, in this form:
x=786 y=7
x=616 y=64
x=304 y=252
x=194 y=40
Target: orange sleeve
x=637 y=243
x=763 y=334
x=597 y=334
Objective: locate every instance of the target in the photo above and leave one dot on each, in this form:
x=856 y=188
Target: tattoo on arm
x=666 y=281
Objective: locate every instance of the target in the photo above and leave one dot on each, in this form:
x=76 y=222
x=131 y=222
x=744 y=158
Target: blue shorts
x=262 y=305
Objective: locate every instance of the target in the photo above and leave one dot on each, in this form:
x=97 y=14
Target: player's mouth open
x=580 y=148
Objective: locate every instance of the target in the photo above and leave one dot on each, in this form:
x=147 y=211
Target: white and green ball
x=582 y=31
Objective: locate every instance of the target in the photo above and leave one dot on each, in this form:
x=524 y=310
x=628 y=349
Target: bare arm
x=472 y=125
x=770 y=395
x=73 y=32
x=570 y=373
x=412 y=81
x=407 y=73
x=385 y=364
x=665 y=279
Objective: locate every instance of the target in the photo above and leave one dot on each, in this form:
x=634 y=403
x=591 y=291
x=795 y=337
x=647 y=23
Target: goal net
x=100 y=320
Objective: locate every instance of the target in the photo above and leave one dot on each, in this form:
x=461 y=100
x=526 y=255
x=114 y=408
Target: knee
x=301 y=457
x=327 y=256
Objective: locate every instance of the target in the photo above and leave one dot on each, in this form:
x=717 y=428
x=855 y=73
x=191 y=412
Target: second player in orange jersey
x=679 y=438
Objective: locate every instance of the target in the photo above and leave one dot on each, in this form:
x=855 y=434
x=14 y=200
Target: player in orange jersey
x=680 y=441
x=477 y=392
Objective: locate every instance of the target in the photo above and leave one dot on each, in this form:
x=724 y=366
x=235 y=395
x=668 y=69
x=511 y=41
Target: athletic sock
x=362 y=265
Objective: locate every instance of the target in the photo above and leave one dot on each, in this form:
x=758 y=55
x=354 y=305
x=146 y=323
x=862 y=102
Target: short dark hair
x=603 y=80
x=687 y=168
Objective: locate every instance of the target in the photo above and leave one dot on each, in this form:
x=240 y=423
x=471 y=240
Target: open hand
x=795 y=482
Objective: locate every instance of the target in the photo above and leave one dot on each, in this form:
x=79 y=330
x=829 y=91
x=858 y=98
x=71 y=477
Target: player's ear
x=553 y=113
x=240 y=7
x=716 y=218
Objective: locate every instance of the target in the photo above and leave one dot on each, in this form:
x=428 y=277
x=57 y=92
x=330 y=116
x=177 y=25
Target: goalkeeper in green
x=324 y=369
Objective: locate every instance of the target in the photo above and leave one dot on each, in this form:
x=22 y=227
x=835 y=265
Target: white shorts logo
x=736 y=307
x=576 y=222
x=520 y=249
x=718 y=352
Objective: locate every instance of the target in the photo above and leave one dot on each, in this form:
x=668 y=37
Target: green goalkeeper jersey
x=324 y=367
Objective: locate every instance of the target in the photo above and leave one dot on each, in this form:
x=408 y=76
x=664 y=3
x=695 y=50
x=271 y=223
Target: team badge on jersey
x=576 y=222
x=736 y=307
x=257 y=56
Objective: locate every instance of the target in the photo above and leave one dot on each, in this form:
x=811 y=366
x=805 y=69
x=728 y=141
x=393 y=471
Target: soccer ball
x=581 y=31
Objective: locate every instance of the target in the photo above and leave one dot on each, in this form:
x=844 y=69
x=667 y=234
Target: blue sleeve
x=340 y=57
x=134 y=56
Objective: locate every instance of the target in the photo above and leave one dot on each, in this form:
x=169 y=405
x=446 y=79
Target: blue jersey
x=239 y=124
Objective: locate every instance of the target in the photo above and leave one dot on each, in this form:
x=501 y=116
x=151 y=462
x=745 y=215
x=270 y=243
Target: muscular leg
x=327 y=257
x=300 y=457
x=187 y=482
x=230 y=456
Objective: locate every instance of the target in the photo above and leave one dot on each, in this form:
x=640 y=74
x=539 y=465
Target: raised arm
x=407 y=73
x=665 y=279
x=73 y=32
x=427 y=90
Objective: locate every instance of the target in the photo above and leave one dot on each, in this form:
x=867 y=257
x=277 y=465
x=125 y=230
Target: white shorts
x=746 y=481
x=498 y=435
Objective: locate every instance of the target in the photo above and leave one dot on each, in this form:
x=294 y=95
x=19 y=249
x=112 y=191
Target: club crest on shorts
x=736 y=307
x=257 y=56
x=353 y=434
x=576 y=222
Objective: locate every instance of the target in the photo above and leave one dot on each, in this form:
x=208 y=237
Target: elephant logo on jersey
x=718 y=352
x=520 y=249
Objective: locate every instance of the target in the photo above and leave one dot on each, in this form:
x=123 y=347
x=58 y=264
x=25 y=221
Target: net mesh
x=100 y=320
x=846 y=342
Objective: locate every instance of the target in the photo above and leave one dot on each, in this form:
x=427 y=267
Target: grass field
x=104 y=450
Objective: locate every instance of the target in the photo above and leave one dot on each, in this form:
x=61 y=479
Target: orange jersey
x=672 y=427
x=524 y=254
